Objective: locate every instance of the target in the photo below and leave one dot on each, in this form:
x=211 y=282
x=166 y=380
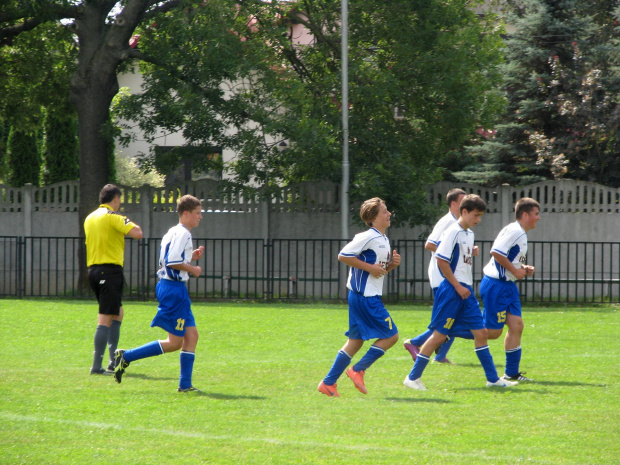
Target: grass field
x=258 y=366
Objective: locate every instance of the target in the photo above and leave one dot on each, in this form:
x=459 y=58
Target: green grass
x=258 y=366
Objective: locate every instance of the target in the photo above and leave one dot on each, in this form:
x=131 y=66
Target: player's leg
x=412 y=380
x=413 y=345
x=512 y=346
x=472 y=318
x=343 y=358
x=484 y=355
x=187 y=357
x=441 y=354
x=113 y=337
x=102 y=334
x=374 y=322
x=107 y=281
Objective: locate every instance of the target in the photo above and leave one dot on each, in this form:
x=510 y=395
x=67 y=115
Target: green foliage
x=562 y=83
x=249 y=87
x=129 y=173
x=36 y=72
x=23 y=158
x=4 y=136
x=259 y=404
x=61 y=148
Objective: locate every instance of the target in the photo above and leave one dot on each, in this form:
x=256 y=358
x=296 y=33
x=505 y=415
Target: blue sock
x=187 y=368
x=486 y=360
x=421 y=338
x=340 y=364
x=513 y=360
x=443 y=349
x=463 y=335
x=147 y=350
x=373 y=354
x=418 y=367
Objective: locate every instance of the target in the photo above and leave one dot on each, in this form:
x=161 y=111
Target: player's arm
x=196 y=254
x=431 y=247
x=395 y=261
x=191 y=269
x=518 y=273
x=444 y=266
x=375 y=269
x=135 y=232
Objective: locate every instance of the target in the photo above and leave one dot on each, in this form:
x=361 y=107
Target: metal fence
x=254 y=269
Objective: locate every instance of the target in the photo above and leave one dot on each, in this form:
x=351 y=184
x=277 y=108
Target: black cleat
x=119 y=365
x=100 y=371
x=518 y=377
x=189 y=389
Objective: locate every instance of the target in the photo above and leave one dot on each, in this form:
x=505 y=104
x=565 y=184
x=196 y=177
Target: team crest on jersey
x=467 y=258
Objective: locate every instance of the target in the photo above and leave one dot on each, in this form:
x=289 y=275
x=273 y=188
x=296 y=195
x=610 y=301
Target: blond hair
x=370 y=209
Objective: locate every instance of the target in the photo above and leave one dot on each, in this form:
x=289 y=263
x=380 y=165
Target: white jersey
x=456 y=246
x=176 y=248
x=371 y=247
x=511 y=242
x=434 y=275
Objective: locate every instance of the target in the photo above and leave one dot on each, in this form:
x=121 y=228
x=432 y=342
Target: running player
x=498 y=289
x=369 y=258
x=453 y=199
x=174 y=313
x=105 y=231
x=455 y=307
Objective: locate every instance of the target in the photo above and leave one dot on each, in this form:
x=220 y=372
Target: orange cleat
x=328 y=390
x=358 y=379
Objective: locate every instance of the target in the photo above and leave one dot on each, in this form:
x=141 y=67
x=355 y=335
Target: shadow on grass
x=147 y=377
x=415 y=399
x=220 y=396
x=562 y=383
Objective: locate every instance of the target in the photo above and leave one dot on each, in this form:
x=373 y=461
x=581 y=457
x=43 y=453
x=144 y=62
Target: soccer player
x=453 y=199
x=105 y=230
x=498 y=289
x=455 y=307
x=369 y=258
x=174 y=313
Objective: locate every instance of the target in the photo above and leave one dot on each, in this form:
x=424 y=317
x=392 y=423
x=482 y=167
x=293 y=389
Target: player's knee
x=392 y=340
x=494 y=333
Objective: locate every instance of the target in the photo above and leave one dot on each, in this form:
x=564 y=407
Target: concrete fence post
x=506 y=204
x=28 y=194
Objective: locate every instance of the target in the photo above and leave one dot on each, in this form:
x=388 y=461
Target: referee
x=105 y=230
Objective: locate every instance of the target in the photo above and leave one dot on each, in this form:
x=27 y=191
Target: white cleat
x=502 y=383
x=414 y=384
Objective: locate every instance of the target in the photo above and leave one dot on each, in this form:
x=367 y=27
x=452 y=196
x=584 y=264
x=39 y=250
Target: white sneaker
x=414 y=384
x=502 y=383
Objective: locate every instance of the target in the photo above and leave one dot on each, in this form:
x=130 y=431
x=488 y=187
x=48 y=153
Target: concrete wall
x=570 y=211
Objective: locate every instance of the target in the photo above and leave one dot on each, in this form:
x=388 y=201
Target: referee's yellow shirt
x=105 y=236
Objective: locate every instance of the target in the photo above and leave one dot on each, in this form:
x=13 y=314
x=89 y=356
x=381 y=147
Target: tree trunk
x=93 y=86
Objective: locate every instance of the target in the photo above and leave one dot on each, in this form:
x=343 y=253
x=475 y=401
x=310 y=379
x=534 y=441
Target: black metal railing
x=587 y=272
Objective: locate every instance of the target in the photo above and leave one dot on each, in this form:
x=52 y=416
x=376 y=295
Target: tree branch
x=22 y=20
x=161 y=8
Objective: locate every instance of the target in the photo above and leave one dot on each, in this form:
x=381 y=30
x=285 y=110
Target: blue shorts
x=174 y=312
x=453 y=313
x=368 y=318
x=498 y=298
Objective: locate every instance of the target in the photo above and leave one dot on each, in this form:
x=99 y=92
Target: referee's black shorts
x=107 y=281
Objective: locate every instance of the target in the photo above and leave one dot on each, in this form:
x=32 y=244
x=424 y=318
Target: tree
x=4 y=135
x=128 y=173
x=562 y=85
x=24 y=161
x=101 y=30
x=433 y=61
x=61 y=147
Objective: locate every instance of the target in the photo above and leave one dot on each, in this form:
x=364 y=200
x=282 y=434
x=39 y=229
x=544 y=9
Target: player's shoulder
x=512 y=230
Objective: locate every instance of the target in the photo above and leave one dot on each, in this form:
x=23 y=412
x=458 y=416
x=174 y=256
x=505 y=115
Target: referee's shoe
x=119 y=365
